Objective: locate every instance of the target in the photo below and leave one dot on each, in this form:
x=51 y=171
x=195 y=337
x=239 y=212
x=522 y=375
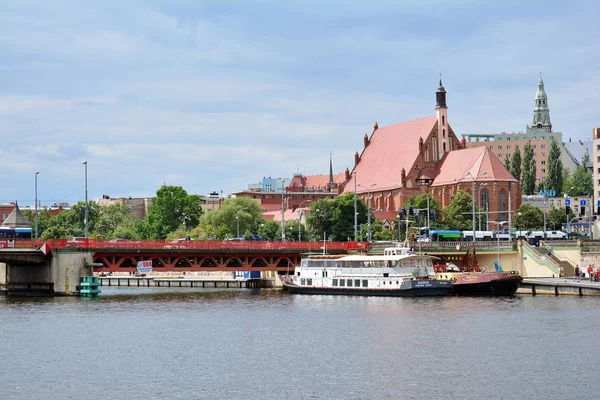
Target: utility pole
x=86 y=202
x=36 y=205
x=282 y=210
x=355 y=212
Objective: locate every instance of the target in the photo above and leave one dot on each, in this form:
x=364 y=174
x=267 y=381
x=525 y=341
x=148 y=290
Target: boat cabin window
x=342 y=282
x=385 y=274
x=357 y=282
x=365 y=283
x=335 y=281
x=309 y=282
x=303 y=281
x=349 y=282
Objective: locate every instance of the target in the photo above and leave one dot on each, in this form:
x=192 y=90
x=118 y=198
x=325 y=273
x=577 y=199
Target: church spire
x=541 y=112
x=330 y=171
x=440 y=95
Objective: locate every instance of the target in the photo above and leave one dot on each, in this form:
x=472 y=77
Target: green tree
x=335 y=218
x=71 y=222
x=528 y=175
x=172 y=208
x=241 y=212
x=554 y=179
x=515 y=165
x=507 y=162
x=556 y=217
x=458 y=214
x=379 y=232
x=528 y=217
x=581 y=182
x=114 y=220
x=271 y=230
x=44 y=218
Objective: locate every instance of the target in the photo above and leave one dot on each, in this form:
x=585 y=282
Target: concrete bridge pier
x=30 y=272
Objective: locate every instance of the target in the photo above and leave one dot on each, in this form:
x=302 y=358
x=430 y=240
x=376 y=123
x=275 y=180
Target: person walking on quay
x=591 y=272
x=576 y=274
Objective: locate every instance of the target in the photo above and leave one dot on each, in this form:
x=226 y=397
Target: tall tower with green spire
x=541 y=112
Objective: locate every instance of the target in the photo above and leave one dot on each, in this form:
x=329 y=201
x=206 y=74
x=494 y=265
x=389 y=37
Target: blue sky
x=213 y=95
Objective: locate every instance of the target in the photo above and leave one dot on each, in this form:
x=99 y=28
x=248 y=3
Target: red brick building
x=400 y=161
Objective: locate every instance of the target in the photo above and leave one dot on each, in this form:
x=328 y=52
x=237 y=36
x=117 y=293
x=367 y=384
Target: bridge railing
x=99 y=244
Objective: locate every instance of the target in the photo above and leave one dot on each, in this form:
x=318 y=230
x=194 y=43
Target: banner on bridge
x=144 y=267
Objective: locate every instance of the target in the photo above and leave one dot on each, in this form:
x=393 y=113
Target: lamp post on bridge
x=473 y=197
x=86 y=202
x=36 y=204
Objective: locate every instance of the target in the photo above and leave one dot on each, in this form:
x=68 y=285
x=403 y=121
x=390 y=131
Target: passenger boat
x=405 y=274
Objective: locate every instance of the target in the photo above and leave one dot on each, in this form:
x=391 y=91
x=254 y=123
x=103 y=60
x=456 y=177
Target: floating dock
x=559 y=287
x=135 y=281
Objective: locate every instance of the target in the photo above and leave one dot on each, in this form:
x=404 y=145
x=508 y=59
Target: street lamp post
x=36 y=205
x=355 y=212
x=566 y=213
x=473 y=196
x=86 y=202
x=368 y=209
x=500 y=223
x=237 y=221
x=479 y=202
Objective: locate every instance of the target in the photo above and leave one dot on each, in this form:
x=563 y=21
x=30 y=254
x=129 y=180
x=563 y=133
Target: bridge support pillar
x=67 y=268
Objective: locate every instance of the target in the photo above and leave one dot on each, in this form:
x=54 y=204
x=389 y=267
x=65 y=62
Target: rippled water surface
x=161 y=343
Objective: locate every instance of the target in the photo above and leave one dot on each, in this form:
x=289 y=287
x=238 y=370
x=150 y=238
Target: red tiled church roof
x=316 y=181
x=480 y=162
x=391 y=148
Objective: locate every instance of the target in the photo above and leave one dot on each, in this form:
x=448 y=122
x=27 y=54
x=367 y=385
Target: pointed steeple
x=541 y=112
x=330 y=171
x=440 y=95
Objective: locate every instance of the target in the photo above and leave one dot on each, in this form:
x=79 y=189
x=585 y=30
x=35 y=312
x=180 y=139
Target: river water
x=167 y=343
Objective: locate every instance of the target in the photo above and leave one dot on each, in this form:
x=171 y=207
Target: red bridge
x=190 y=255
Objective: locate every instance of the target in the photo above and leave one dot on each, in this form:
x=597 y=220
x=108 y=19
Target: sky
x=215 y=95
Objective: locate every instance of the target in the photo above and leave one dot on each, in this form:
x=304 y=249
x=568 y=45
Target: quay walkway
x=559 y=287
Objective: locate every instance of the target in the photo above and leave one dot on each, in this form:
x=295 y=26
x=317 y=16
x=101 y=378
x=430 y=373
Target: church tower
x=441 y=112
x=541 y=112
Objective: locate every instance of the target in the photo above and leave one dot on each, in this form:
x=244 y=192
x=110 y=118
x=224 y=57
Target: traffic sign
x=568 y=202
x=583 y=202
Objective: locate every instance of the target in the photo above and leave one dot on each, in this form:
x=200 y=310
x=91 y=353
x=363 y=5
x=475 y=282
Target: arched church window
x=444 y=146
x=502 y=205
x=443 y=133
x=443 y=120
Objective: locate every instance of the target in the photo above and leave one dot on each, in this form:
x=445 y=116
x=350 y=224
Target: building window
x=535 y=146
x=444 y=146
x=598 y=147
x=499 y=147
x=543 y=154
x=492 y=148
x=543 y=170
x=443 y=120
x=502 y=205
x=443 y=134
x=508 y=147
x=543 y=162
x=543 y=146
x=499 y=156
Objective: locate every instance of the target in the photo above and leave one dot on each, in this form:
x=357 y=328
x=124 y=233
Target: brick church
x=424 y=155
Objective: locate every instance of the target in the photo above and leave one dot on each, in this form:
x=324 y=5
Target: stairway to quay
x=80 y=268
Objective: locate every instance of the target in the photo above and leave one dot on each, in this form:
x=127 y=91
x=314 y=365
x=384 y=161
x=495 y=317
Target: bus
x=14 y=233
